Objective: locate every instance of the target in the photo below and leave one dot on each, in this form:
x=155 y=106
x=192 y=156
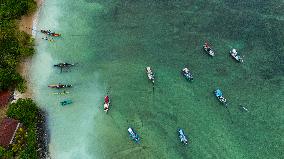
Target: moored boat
x=185 y=72
x=60 y=93
x=150 y=74
x=218 y=93
x=208 y=49
x=48 y=32
x=236 y=55
x=182 y=137
x=66 y=102
x=63 y=65
x=106 y=104
x=58 y=86
x=133 y=135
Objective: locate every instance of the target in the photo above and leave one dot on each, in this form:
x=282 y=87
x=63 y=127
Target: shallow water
x=112 y=42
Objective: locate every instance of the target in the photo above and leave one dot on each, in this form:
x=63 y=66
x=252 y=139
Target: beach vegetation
x=14 y=44
x=25 y=141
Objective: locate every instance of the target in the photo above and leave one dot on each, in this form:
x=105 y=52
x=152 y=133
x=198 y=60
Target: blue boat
x=133 y=135
x=66 y=102
x=182 y=137
x=218 y=93
x=185 y=72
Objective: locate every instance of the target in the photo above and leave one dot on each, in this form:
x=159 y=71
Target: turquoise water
x=113 y=41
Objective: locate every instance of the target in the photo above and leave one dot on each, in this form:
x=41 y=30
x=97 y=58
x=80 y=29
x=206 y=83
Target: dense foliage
x=14 y=44
x=26 y=111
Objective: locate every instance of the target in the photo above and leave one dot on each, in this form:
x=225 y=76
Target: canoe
x=66 y=102
x=60 y=93
x=63 y=64
x=48 y=32
x=58 y=86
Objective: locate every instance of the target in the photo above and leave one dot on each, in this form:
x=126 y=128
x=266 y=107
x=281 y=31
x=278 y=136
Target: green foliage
x=13 y=9
x=26 y=111
x=14 y=44
x=5 y=154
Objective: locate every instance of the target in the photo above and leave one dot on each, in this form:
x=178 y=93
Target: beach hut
x=8 y=128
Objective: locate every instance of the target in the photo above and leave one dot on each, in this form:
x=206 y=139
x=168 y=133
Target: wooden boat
x=60 y=93
x=48 y=32
x=63 y=65
x=58 y=86
x=66 y=102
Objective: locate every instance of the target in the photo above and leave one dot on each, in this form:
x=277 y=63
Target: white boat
x=150 y=74
x=208 y=49
x=236 y=56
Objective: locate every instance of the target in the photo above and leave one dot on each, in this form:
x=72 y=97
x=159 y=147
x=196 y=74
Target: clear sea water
x=112 y=41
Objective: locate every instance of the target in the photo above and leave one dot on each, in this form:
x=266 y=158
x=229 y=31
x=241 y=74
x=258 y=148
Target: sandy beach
x=25 y=24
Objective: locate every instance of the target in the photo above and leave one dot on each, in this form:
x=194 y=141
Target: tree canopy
x=14 y=44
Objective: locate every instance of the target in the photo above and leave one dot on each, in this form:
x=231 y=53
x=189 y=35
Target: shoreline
x=27 y=21
x=27 y=24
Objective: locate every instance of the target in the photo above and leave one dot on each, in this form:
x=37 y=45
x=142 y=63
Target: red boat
x=106 y=104
x=55 y=34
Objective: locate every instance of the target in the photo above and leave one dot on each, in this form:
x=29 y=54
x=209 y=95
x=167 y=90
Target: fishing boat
x=218 y=93
x=63 y=65
x=182 y=136
x=55 y=34
x=208 y=49
x=185 y=72
x=150 y=74
x=106 y=104
x=60 y=93
x=236 y=55
x=66 y=102
x=133 y=135
x=58 y=86
x=48 y=32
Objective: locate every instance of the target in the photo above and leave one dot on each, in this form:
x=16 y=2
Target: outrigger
x=208 y=49
x=61 y=65
x=236 y=56
x=60 y=93
x=106 y=104
x=150 y=74
x=133 y=135
x=48 y=32
x=58 y=86
x=66 y=102
x=218 y=93
x=185 y=72
x=182 y=136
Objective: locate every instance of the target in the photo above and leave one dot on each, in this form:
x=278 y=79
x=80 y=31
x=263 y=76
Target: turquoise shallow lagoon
x=112 y=42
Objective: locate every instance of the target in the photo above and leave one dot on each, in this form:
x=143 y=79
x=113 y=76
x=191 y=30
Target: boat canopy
x=218 y=93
